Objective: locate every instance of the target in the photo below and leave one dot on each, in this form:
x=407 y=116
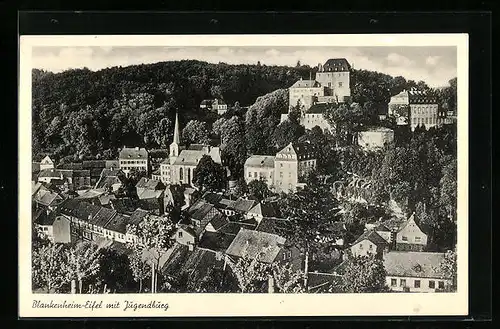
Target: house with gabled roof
x=410 y=236
x=370 y=242
x=135 y=158
x=411 y=271
x=263 y=247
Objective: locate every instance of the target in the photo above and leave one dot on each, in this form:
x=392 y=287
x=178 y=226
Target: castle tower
x=175 y=146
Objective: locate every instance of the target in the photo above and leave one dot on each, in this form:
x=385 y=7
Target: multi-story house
x=334 y=75
x=134 y=159
x=216 y=105
x=369 y=243
x=414 y=108
x=46 y=163
x=415 y=271
x=410 y=236
x=291 y=165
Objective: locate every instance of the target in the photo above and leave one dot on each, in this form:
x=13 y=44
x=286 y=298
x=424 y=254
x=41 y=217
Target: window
x=417 y=284
x=360 y=246
x=441 y=284
x=249 y=174
x=370 y=247
x=404 y=238
x=281 y=165
x=402 y=283
x=417 y=239
x=179 y=234
x=340 y=84
x=255 y=174
x=432 y=284
x=281 y=174
x=181 y=174
x=393 y=282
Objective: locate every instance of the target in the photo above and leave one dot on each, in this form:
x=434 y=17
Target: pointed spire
x=176 y=129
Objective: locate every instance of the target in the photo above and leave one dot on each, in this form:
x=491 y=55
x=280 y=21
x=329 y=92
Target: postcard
x=243 y=175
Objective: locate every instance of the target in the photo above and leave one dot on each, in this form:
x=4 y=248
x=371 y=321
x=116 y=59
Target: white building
x=375 y=138
x=414 y=107
x=134 y=158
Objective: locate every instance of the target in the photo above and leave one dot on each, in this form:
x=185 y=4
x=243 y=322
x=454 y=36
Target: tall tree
x=83 y=262
x=154 y=239
x=259 y=189
x=364 y=274
x=48 y=271
x=114 y=271
x=208 y=175
x=449 y=268
x=287 y=280
x=196 y=132
x=311 y=213
x=141 y=270
x=251 y=274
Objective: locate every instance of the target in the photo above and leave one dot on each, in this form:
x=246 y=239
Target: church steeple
x=175 y=146
x=177 y=139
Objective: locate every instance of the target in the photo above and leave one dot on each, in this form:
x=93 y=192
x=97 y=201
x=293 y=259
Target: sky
x=435 y=65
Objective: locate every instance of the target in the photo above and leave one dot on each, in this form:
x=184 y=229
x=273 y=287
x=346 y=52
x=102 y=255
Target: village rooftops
x=414 y=264
x=78 y=209
x=118 y=224
x=148 y=183
x=373 y=237
x=112 y=172
x=189 y=157
x=47 y=197
x=133 y=153
x=417 y=96
x=306 y=84
x=271 y=225
x=259 y=161
x=216 y=241
x=90 y=194
x=265 y=209
x=138 y=216
x=150 y=194
x=256 y=245
x=302 y=150
x=102 y=217
x=242 y=205
x=123 y=205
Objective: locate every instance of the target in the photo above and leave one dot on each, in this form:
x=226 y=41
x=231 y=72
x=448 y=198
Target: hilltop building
x=415 y=108
x=179 y=167
x=285 y=171
x=216 y=105
x=331 y=85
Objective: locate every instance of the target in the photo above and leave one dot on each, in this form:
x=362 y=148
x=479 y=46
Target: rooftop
x=260 y=161
x=242 y=205
x=133 y=153
x=256 y=245
x=372 y=236
x=414 y=264
x=216 y=241
x=337 y=64
x=150 y=184
x=306 y=84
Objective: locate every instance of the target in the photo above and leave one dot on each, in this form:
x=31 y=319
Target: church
x=179 y=167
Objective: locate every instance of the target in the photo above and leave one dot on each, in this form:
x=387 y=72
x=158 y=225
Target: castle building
x=414 y=108
x=179 y=167
x=285 y=171
x=331 y=85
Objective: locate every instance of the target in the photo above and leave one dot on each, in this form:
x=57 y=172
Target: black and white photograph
x=244 y=169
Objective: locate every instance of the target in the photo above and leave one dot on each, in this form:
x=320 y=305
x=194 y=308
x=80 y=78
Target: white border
x=400 y=304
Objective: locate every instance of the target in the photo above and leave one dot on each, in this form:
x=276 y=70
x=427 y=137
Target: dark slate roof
x=71 y=166
x=112 y=163
x=255 y=244
x=124 y=205
x=149 y=204
x=373 y=237
x=111 y=172
x=88 y=164
x=230 y=228
x=266 y=209
x=47 y=197
x=318 y=108
x=78 y=209
x=81 y=173
x=216 y=241
x=242 y=205
x=337 y=64
x=103 y=216
x=271 y=225
x=137 y=216
x=118 y=224
x=196 y=263
x=41 y=217
x=212 y=198
x=219 y=221
x=50 y=173
x=90 y=194
x=108 y=182
x=414 y=264
x=133 y=153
